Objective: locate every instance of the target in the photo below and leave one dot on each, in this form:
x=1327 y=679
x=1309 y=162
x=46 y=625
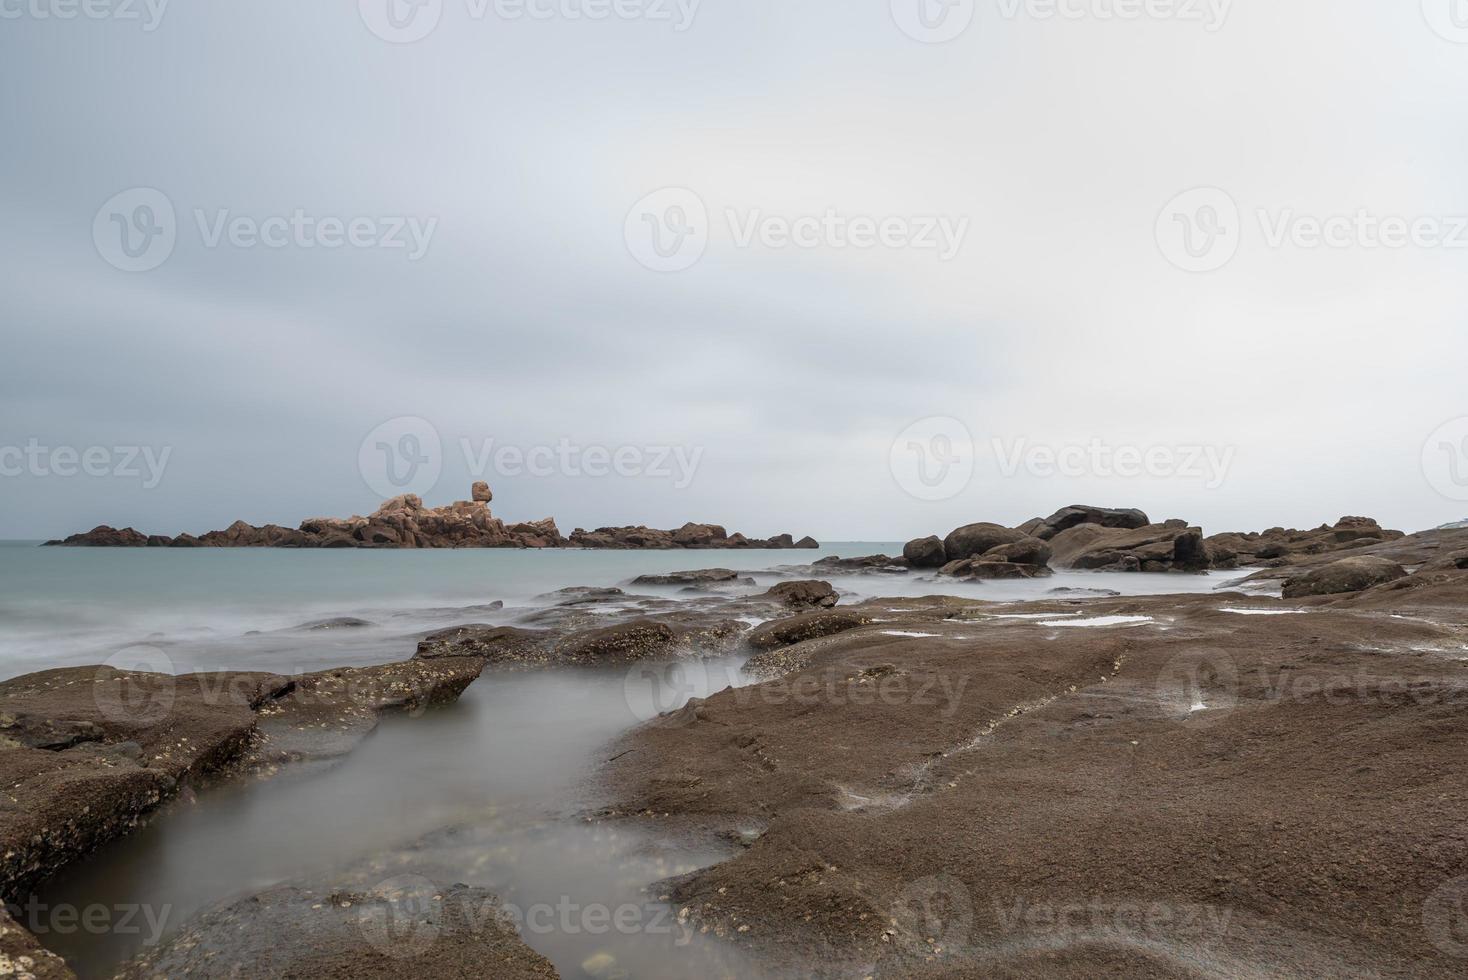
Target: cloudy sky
x=855 y=269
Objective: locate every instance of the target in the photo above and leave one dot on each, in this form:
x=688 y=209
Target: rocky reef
x=1126 y=540
x=406 y=522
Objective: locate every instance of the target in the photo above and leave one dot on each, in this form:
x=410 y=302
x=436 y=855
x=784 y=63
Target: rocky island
x=405 y=522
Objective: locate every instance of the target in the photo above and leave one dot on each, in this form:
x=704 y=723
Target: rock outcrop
x=973 y=540
x=700 y=576
x=1278 y=546
x=806 y=592
x=709 y=536
x=1347 y=575
x=405 y=925
x=1173 y=546
x=1066 y=518
x=925 y=552
x=796 y=629
x=405 y=522
x=87 y=753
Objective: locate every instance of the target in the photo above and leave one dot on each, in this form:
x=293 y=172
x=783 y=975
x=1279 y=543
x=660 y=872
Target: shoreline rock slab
x=402 y=926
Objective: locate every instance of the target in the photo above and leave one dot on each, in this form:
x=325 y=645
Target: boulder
x=981 y=568
x=808 y=592
x=480 y=493
x=1346 y=575
x=1078 y=514
x=1026 y=551
x=1172 y=546
x=807 y=543
x=699 y=536
x=973 y=540
x=925 y=552
x=701 y=576
x=796 y=629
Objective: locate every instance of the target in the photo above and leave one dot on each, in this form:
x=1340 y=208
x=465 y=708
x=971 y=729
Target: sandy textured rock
x=405 y=926
x=1198 y=794
x=794 y=629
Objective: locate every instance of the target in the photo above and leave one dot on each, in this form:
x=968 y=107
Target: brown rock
x=1347 y=575
x=811 y=592
x=795 y=629
x=973 y=540
x=925 y=552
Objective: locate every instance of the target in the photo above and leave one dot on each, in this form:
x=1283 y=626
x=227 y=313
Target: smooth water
x=492 y=791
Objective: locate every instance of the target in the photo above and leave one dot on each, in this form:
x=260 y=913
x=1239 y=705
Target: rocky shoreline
x=1108 y=539
x=405 y=522
x=1223 y=784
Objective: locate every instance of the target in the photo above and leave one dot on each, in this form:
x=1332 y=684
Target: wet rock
x=982 y=568
x=641 y=639
x=498 y=644
x=1347 y=575
x=925 y=552
x=404 y=926
x=702 y=576
x=336 y=623
x=326 y=714
x=23 y=958
x=808 y=592
x=973 y=540
x=93 y=749
x=795 y=629
x=864 y=563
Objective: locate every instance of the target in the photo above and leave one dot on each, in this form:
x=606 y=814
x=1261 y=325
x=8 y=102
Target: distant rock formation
x=687 y=536
x=405 y=522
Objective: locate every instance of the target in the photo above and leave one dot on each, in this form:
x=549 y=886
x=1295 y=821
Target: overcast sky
x=1068 y=302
